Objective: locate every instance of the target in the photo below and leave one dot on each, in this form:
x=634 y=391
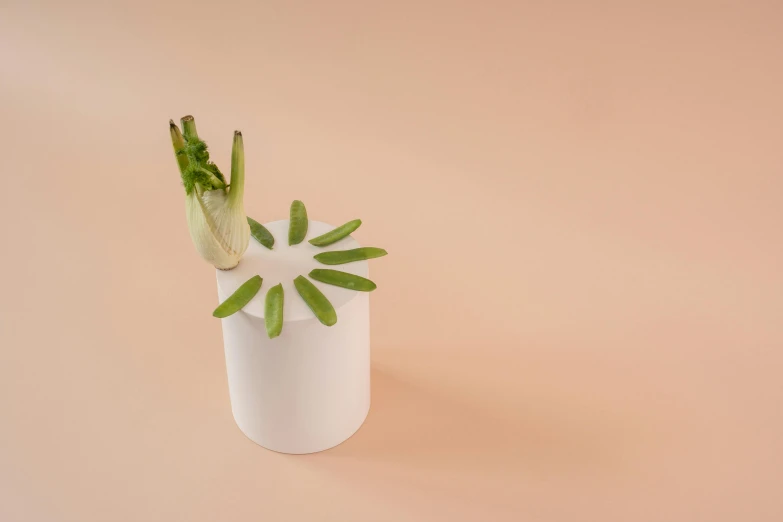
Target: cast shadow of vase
x=414 y=427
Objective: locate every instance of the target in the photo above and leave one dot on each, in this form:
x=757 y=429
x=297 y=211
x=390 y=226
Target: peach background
x=580 y=319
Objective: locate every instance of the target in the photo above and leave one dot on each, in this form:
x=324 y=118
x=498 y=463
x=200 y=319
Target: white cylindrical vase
x=308 y=389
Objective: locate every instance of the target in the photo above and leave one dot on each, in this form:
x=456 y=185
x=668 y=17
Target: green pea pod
x=343 y=279
x=297 y=226
x=337 y=234
x=240 y=298
x=340 y=257
x=273 y=311
x=317 y=301
x=260 y=233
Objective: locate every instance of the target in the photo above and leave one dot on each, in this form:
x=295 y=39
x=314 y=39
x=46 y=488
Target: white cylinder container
x=308 y=389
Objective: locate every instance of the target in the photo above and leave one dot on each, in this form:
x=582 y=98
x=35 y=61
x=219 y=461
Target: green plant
x=215 y=210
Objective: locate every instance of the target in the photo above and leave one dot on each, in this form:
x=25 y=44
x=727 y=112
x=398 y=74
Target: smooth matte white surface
x=308 y=389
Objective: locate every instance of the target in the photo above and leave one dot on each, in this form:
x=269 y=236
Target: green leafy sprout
x=193 y=158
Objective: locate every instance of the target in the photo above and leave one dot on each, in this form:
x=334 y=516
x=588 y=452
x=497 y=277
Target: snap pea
x=297 y=226
x=317 y=301
x=339 y=257
x=260 y=233
x=343 y=279
x=337 y=234
x=273 y=311
x=236 y=301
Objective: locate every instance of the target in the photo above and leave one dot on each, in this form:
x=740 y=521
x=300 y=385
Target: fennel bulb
x=215 y=210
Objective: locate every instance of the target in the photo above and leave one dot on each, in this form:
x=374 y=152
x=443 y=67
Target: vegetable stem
x=189 y=127
x=214 y=180
x=179 y=146
x=237 y=181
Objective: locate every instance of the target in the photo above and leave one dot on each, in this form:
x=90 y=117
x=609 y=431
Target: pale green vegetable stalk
x=215 y=210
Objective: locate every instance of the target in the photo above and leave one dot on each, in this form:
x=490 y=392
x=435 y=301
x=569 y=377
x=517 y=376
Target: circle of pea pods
x=312 y=296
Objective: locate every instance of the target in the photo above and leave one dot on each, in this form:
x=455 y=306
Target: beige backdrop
x=580 y=319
